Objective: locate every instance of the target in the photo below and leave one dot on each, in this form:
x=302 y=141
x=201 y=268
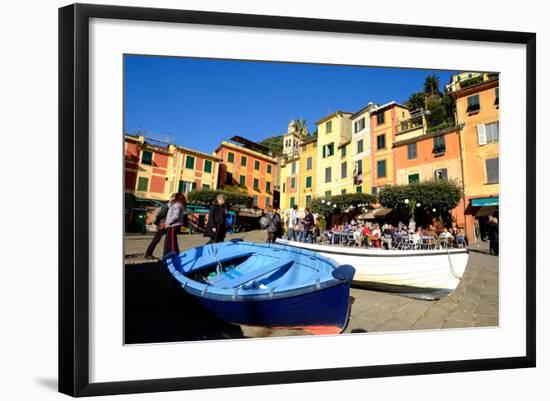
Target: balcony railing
x=411 y=124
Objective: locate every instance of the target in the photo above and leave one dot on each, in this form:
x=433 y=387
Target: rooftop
x=332 y=115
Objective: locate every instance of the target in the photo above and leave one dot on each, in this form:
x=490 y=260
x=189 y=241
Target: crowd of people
x=369 y=234
x=298 y=227
x=302 y=227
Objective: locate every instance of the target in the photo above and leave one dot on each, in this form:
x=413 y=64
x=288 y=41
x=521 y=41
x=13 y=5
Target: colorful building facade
x=147 y=168
x=477 y=110
x=249 y=170
x=384 y=122
x=194 y=170
x=421 y=156
x=308 y=169
x=297 y=168
x=333 y=160
x=154 y=171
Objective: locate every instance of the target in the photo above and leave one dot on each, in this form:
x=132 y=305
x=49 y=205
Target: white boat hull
x=428 y=274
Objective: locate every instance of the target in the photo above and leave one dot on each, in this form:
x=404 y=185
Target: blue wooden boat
x=265 y=284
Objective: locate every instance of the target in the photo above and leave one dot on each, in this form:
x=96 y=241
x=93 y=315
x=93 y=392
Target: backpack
x=160 y=215
x=265 y=221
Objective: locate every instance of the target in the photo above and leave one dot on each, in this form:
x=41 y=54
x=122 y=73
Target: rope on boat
x=451 y=266
x=219 y=267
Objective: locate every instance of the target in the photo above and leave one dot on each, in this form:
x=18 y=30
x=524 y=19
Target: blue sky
x=201 y=102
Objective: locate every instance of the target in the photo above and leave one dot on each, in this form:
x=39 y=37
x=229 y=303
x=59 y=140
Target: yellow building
x=384 y=122
x=308 y=170
x=194 y=170
x=465 y=79
x=334 y=170
x=477 y=109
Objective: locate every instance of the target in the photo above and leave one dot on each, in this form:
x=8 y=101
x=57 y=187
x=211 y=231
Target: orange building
x=421 y=156
x=147 y=168
x=477 y=109
x=384 y=121
x=245 y=166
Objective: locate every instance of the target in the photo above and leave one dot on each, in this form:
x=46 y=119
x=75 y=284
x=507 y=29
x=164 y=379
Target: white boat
x=425 y=274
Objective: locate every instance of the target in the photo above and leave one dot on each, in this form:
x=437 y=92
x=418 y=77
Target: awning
x=486 y=211
x=249 y=212
x=375 y=213
x=479 y=202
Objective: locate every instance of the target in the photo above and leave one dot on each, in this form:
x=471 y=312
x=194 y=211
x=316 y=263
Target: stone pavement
x=157 y=310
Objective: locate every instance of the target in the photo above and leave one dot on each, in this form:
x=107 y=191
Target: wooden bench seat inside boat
x=232 y=280
x=209 y=260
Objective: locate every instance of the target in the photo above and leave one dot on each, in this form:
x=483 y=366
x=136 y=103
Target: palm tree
x=431 y=85
x=415 y=101
x=301 y=125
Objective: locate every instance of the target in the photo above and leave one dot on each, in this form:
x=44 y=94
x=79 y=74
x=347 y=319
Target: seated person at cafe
x=366 y=233
x=388 y=234
x=447 y=237
x=376 y=233
x=434 y=238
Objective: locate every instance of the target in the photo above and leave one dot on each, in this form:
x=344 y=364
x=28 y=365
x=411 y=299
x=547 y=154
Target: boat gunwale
x=330 y=249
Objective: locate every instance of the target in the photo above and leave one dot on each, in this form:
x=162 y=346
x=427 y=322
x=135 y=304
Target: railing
x=412 y=123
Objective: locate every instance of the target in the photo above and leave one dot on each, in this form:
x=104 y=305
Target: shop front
x=480 y=209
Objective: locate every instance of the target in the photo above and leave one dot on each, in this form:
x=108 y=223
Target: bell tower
x=294 y=134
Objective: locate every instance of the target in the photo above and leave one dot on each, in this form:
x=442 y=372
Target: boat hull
x=429 y=274
x=325 y=307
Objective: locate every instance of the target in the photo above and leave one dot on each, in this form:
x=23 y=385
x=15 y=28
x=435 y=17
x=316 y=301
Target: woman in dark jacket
x=216 y=226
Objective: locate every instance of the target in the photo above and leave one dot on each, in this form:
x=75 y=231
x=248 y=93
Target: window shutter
x=324 y=151
x=481 y=137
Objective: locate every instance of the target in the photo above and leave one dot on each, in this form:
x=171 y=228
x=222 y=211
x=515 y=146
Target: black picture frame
x=74 y=200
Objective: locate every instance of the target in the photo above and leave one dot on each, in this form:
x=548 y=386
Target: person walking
x=309 y=225
x=216 y=227
x=280 y=229
x=174 y=221
x=492 y=231
x=273 y=226
x=159 y=221
x=293 y=223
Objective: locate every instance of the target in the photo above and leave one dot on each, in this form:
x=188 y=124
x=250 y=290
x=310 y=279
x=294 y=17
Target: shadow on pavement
x=158 y=310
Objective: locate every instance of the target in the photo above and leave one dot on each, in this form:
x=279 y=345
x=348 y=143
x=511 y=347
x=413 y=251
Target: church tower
x=291 y=141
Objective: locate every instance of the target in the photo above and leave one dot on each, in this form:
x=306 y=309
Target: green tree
x=353 y=200
x=274 y=144
x=208 y=196
x=415 y=101
x=321 y=206
x=441 y=195
x=301 y=125
x=431 y=85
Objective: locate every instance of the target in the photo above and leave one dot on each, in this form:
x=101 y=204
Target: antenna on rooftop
x=165 y=138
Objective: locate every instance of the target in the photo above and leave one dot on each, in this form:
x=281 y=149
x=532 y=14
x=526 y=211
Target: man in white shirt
x=293 y=227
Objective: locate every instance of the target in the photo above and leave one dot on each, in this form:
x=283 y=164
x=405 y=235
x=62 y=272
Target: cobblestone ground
x=158 y=311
